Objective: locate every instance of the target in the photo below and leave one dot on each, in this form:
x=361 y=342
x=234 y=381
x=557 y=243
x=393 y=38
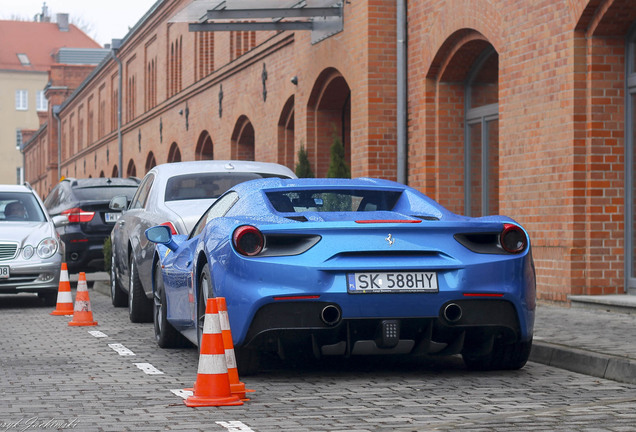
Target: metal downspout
x=402 y=103
x=56 y=114
x=119 y=101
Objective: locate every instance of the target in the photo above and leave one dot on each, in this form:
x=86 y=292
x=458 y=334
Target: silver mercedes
x=30 y=249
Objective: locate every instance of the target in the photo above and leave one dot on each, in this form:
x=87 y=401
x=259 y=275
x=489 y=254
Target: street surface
x=113 y=377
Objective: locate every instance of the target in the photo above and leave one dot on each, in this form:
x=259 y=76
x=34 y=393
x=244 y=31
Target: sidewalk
x=596 y=336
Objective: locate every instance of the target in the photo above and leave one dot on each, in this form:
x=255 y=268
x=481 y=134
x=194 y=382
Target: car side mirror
x=161 y=234
x=59 y=221
x=118 y=203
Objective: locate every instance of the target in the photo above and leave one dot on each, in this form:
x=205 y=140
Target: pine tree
x=338 y=168
x=303 y=168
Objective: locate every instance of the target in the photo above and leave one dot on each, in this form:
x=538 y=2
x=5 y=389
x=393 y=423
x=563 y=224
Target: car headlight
x=47 y=248
x=27 y=252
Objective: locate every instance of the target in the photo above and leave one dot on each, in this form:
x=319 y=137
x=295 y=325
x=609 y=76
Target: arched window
x=481 y=137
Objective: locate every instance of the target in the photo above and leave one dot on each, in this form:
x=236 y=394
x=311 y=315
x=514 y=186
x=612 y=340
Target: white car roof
x=169 y=169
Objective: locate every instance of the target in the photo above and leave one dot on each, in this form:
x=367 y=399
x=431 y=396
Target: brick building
x=513 y=107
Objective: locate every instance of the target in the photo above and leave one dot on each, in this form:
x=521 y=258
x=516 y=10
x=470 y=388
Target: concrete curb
x=622 y=369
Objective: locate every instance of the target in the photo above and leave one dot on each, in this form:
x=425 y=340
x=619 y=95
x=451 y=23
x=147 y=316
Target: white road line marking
x=148 y=368
x=235 y=426
x=184 y=394
x=98 y=334
x=121 y=350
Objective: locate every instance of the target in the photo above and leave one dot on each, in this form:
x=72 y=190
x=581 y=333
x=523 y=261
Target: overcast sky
x=103 y=20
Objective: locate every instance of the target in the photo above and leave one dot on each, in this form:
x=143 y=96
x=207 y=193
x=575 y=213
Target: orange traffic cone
x=64 y=298
x=82 y=315
x=236 y=386
x=212 y=387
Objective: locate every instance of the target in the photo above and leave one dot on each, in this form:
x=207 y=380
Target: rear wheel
x=165 y=335
x=502 y=357
x=139 y=307
x=117 y=296
x=247 y=360
x=205 y=292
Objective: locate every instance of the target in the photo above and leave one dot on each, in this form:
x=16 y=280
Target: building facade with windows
x=27 y=52
x=511 y=107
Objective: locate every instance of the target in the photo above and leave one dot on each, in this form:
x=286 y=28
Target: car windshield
x=207 y=185
x=336 y=200
x=103 y=193
x=20 y=207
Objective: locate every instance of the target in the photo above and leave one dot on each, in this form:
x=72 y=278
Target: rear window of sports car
x=333 y=200
x=207 y=185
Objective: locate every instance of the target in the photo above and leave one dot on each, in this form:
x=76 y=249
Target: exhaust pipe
x=452 y=312
x=74 y=256
x=330 y=315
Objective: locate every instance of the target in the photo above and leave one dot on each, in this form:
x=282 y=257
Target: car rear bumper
x=84 y=253
x=457 y=325
x=41 y=277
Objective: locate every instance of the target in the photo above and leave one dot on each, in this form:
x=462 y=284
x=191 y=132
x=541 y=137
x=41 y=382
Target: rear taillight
x=248 y=240
x=77 y=215
x=513 y=239
x=173 y=230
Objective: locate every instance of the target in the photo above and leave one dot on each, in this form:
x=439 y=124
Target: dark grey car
x=175 y=194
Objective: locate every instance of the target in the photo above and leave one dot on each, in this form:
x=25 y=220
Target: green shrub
x=107 y=254
x=303 y=167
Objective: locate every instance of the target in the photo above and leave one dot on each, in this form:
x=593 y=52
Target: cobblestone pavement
x=55 y=377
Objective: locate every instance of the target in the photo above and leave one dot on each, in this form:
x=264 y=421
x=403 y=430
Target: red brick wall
x=558 y=163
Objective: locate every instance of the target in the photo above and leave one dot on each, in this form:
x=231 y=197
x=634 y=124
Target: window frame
x=21 y=100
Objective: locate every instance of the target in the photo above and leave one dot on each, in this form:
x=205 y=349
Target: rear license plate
x=4 y=272
x=361 y=283
x=112 y=217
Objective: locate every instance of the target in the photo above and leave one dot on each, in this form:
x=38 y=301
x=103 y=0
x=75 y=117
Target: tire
x=247 y=361
x=139 y=307
x=502 y=357
x=165 y=334
x=50 y=299
x=205 y=292
x=117 y=296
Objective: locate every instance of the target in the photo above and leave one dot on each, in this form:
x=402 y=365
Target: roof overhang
x=322 y=17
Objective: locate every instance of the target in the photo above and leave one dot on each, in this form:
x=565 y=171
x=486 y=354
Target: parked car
x=79 y=208
x=348 y=267
x=175 y=194
x=30 y=249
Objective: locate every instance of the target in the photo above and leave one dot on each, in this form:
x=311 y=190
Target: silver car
x=175 y=194
x=30 y=249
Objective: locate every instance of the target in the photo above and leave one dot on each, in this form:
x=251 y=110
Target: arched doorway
x=115 y=172
x=131 y=171
x=151 y=162
x=328 y=119
x=465 y=74
x=204 y=149
x=174 y=155
x=286 y=154
x=243 y=140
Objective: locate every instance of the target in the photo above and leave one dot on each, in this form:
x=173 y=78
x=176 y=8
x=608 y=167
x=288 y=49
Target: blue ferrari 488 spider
x=348 y=267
